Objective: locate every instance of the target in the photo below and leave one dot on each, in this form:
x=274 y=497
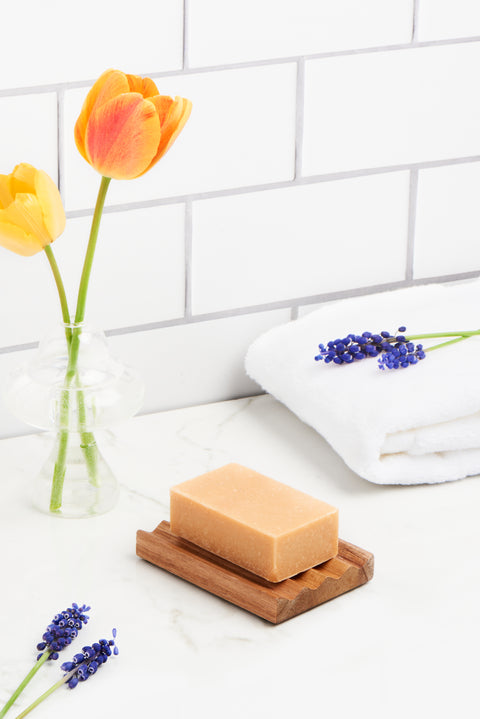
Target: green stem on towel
x=463 y=334
x=444 y=344
x=457 y=337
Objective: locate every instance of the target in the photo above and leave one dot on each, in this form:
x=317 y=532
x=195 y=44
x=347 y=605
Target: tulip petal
x=163 y=103
x=173 y=115
x=122 y=136
x=25 y=212
x=23 y=178
x=50 y=203
x=110 y=84
x=31 y=211
x=6 y=196
x=144 y=85
x=14 y=238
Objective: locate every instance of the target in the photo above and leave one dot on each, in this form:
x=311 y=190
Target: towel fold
x=407 y=426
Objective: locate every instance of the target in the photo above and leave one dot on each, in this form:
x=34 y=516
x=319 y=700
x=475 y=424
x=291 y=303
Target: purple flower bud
x=86 y=664
x=59 y=632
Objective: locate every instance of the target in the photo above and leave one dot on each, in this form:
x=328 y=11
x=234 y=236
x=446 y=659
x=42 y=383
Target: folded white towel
x=405 y=426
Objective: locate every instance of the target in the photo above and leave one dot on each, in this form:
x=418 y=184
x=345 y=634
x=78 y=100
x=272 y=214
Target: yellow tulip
x=31 y=210
x=125 y=126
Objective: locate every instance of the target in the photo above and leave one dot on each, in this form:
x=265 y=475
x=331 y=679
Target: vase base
x=85 y=486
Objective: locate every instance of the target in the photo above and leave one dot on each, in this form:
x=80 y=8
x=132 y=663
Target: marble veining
x=184 y=652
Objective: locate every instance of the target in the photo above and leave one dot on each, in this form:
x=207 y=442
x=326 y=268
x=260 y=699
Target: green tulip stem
x=60 y=464
x=87 y=438
x=59 y=282
x=92 y=242
x=24 y=683
x=46 y=694
x=61 y=461
x=88 y=444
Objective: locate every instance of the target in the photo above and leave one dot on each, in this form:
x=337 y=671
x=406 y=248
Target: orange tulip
x=125 y=126
x=31 y=210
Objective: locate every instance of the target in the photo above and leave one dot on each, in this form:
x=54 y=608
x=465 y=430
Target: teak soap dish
x=275 y=602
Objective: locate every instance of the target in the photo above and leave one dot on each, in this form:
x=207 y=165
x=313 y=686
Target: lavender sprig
x=63 y=628
x=86 y=664
x=61 y=631
x=393 y=351
x=82 y=667
x=358 y=347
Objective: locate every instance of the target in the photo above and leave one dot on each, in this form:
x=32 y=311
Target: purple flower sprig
x=63 y=628
x=393 y=351
x=61 y=631
x=83 y=666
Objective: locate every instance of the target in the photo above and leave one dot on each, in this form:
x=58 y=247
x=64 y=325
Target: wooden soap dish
x=351 y=568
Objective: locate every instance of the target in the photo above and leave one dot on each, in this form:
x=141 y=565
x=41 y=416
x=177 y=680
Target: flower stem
x=60 y=464
x=92 y=242
x=463 y=334
x=88 y=444
x=444 y=344
x=24 y=683
x=458 y=337
x=46 y=694
x=59 y=282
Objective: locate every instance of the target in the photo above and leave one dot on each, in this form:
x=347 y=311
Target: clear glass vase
x=75 y=388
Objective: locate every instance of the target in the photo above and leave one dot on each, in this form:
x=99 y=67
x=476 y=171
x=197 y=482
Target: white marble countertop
x=403 y=645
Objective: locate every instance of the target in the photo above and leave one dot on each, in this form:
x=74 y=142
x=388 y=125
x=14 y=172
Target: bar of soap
x=259 y=524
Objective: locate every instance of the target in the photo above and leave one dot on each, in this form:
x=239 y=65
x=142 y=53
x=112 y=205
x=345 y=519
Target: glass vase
x=75 y=388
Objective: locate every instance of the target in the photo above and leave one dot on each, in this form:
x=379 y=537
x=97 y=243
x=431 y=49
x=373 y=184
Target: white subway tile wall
x=28 y=124
x=333 y=151
x=448 y=221
x=283 y=244
x=197 y=362
x=442 y=19
x=52 y=42
x=138 y=275
x=253 y=30
x=391 y=108
x=28 y=301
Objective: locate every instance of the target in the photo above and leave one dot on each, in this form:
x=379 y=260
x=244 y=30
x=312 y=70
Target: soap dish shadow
x=275 y=602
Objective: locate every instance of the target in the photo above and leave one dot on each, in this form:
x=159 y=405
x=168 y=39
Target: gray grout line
x=298 y=302
x=299 y=102
x=412 y=215
x=60 y=145
x=280 y=185
x=54 y=87
x=416 y=4
x=18 y=348
x=186 y=16
x=270 y=307
x=188 y=260
x=294 y=303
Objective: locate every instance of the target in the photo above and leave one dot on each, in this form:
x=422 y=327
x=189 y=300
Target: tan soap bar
x=260 y=524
